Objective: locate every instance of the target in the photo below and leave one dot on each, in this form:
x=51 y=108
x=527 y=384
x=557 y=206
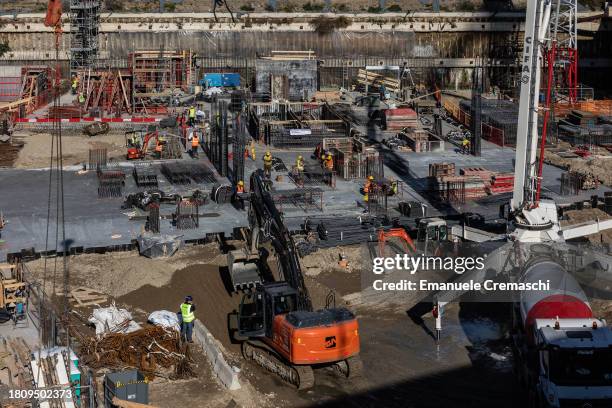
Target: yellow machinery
x=12 y=287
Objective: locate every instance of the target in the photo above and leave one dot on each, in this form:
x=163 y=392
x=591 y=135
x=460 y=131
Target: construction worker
x=161 y=138
x=465 y=145
x=158 y=150
x=240 y=187
x=299 y=163
x=299 y=170
x=253 y=152
x=75 y=84
x=134 y=140
x=267 y=163
x=394 y=188
x=187 y=318
x=192 y=115
x=195 y=143
x=368 y=185
x=329 y=162
x=81 y=99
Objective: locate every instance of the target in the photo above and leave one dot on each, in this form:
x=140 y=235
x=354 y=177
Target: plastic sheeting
x=112 y=320
x=165 y=318
x=157 y=246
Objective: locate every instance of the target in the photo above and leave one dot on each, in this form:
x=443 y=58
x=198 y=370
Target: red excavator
x=277 y=323
x=138 y=145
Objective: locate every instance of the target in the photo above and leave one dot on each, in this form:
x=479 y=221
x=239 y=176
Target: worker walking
x=195 y=143
x=187 y=318
x=192 y=115
x=267 y=164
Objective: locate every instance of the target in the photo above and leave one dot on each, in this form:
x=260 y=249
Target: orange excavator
x=400 y=233
x=277 y=324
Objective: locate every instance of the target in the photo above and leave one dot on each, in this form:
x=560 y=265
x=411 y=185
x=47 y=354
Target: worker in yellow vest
x=299 y=170
x=75 y=84
x=187 y=318
x=267 y=164
x=192 y=115
x=195 y=143
x=329 y=162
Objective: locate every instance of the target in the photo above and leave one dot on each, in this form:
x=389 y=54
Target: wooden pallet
x=87 y=297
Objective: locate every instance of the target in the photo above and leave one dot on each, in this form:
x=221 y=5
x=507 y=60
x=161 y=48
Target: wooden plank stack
x=400 y=118
x=374 y=81
x=441 y=169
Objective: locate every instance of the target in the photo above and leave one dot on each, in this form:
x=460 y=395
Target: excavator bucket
x=243 y=271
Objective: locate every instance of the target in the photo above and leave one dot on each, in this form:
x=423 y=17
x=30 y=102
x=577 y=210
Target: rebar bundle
x=110 y=183
x=304 y=198
x=339 y=231
x=153 y=218
x=238 y=147
x=200 y=173
x=97 y=158
x=152 y=350
x=145 y=175
x=187 y=216
x=176 y=173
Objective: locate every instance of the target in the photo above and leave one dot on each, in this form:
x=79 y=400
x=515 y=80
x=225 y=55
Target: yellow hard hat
x=329 y=156
x=241 y=183
x=371 y=178
x=267 y=152
x=300 y=157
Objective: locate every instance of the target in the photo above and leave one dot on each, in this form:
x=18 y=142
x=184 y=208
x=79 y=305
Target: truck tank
x=565 y=299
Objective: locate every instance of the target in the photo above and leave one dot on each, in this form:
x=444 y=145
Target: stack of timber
x=441 y=169
x=374 y=81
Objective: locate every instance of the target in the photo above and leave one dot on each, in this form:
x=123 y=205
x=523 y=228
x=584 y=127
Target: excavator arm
x=268 y=221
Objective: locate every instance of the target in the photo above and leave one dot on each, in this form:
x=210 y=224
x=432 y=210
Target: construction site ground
x=474 y=349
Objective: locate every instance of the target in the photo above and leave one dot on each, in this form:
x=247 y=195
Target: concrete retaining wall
x=224 y=372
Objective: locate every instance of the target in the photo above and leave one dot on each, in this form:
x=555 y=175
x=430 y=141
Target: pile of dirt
x=75 y=149
x=118 y=273
x=589 y=214
x=210 y=288
x=599 y=164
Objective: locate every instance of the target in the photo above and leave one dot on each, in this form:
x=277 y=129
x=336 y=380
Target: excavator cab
x=432 y=229
x=258 y=308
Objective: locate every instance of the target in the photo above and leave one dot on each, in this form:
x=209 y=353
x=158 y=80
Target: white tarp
x=165 y=318
x=112 y=320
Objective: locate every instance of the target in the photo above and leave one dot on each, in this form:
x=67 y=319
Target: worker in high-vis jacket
x=187 y=318
x=267 y=163
x=75 y=84
x=195 y=143
x=192 y=115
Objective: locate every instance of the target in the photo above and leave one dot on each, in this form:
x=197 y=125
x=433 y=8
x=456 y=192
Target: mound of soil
x=211 y=294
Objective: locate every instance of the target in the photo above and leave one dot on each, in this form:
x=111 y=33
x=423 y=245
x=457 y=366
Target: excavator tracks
x=302 y=377
x=351 y=367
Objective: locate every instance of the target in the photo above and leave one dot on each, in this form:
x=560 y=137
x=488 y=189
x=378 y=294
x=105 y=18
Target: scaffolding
x=84 y=26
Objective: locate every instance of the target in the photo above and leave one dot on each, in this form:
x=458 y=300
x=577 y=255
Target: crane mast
x=525 y=178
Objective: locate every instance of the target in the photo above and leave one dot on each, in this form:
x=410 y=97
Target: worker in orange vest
x=368 y=185
x=240 y=187
x=158 y=150
x=195 y=143
x=329 y=162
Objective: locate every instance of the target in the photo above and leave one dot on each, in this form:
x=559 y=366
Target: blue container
x=220 y=80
